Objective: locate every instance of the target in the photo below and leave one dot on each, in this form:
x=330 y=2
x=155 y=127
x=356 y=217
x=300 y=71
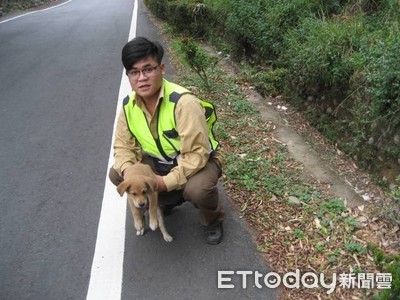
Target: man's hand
x=161 y=187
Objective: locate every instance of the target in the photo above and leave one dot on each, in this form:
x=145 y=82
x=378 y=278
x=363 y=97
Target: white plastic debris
x=366 y=197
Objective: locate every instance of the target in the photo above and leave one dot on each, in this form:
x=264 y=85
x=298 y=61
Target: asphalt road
x=60 y=76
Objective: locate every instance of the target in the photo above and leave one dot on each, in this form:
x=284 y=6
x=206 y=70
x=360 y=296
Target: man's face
x=146 y=77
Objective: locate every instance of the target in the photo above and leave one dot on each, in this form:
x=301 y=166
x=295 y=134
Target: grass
x=317 y=233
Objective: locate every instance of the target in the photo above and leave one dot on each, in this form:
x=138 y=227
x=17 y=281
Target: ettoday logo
x=308 y=280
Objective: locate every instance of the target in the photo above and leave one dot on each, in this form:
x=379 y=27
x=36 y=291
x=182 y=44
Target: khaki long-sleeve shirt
x=193 y=131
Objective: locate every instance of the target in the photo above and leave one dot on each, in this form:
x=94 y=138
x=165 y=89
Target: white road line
x=107 y=268
x=35 y=11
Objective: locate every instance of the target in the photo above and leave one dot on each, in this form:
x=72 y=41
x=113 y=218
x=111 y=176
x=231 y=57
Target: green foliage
x=276 y=184
x=333 y=256
x=377 y=89
x=352 y=223
x=187 y=16
x=218 y=13
x=267 y=82
x=335 y=206
x=244 y=35
x=354 y=62
x=12 y=5
x=197 y=59
x=356 y=248
x=158 y=7
x=305 y=192
x=388 y=264
x=317 y=52
x=243 y=106
x=257 y=27
x=333 y=217
x=396 y=191
x=299 y=234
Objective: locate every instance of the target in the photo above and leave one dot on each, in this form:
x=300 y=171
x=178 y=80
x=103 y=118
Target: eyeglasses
x=146 y=71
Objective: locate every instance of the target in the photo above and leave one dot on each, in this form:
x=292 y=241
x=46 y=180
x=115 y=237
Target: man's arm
x=126 y=150
x=195 y=146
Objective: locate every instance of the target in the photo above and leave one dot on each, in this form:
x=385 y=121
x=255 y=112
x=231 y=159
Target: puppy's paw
x=153 y=224
x=140 y=231
x=168 y=238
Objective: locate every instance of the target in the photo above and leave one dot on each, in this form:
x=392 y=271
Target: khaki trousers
x=200 y=190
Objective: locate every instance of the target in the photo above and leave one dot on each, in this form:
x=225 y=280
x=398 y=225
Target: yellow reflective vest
x=166 y=147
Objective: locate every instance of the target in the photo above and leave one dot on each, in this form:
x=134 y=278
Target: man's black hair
x=140 y=48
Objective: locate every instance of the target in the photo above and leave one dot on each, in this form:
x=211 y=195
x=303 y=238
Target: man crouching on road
x=165 y=126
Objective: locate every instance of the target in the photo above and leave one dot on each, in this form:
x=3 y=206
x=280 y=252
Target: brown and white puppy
x=141 y=187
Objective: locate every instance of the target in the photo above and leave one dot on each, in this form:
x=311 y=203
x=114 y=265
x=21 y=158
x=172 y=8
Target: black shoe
x=214 y=233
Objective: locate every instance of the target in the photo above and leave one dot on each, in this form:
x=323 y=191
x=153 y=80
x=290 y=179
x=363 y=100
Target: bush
x=158 y=7
x=341 y=54
x=186 y=16
x=12 y=5
x=243 y=25
x=317 y=52
x=197 y=59
x=376 y=91
x=268 y=82
x=257 y=28
x=350 y=66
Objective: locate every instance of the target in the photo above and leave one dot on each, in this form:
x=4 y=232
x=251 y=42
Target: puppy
x=141 y=187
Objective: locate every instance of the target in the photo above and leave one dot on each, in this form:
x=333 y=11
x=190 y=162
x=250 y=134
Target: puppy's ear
x=151 y=183
x=122 y=187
